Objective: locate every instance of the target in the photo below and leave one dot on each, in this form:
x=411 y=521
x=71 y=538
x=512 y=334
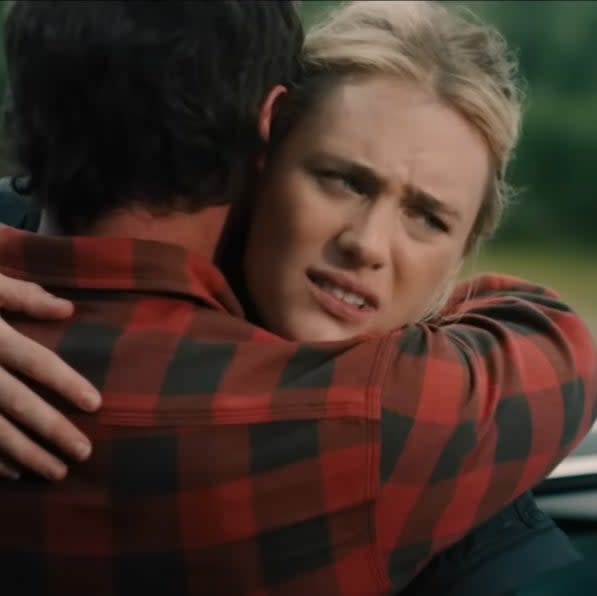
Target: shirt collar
x=86 y=262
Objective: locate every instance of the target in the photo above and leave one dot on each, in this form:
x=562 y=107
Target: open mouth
x=344 y=292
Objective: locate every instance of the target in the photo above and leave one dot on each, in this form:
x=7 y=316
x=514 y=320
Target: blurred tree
x=554 y=169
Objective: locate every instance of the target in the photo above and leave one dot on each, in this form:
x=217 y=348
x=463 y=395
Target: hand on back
x=22 y=411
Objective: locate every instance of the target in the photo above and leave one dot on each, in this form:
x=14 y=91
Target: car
x=569 y=495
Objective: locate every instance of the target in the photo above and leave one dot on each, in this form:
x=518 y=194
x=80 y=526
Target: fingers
x=24 y=451
x=20 y=404
x=34 y=361
x=31 y=299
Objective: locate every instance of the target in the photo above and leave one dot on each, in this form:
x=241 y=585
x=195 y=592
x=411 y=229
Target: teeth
x=339 y=293
x=348 y=297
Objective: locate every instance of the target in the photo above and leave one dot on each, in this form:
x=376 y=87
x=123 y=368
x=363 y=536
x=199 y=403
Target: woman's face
x=364 y=212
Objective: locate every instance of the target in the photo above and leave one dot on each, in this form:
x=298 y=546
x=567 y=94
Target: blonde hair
x=462 y=61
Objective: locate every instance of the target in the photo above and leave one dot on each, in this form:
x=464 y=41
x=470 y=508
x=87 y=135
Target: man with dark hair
x=225 y=462
x=116 y=103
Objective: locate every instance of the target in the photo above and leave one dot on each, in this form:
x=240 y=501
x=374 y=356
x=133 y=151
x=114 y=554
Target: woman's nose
x=365 y=240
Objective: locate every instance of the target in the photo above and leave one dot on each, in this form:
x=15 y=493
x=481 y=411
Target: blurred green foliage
x=555 y=166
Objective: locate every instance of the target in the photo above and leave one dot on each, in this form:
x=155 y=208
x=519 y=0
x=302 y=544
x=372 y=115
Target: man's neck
x=198 y=232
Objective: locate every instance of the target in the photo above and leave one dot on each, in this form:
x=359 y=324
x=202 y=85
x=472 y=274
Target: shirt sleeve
x=475 y=410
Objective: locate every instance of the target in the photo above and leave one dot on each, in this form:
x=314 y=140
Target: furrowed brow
x=431 y=202
x=366 y=175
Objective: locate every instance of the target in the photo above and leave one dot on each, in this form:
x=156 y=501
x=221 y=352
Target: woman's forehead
x=401 y=131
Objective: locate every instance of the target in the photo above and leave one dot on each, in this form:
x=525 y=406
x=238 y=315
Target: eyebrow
x=366 y=175
x=373 y=180
x=432 y=203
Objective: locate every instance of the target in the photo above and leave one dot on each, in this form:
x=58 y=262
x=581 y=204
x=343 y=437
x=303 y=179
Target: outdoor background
x=549 y=232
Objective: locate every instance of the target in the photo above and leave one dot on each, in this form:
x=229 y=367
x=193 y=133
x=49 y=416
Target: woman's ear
x=267 y=109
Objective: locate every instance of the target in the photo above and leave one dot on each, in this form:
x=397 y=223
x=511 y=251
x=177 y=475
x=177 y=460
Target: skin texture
x=320 y=217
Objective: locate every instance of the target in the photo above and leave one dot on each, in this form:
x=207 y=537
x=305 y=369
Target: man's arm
x=475 y=411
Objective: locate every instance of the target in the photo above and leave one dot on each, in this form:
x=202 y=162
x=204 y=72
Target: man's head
x=147 y=103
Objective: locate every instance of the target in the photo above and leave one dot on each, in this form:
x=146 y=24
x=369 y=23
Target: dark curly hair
x=147 y=102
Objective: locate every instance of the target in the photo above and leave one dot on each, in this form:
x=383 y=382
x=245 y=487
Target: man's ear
x=266 y=111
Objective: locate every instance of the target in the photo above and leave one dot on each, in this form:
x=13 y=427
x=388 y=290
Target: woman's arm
x=19 y=405
x=19 y=354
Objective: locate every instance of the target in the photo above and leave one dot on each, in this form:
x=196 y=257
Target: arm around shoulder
x=477 y=409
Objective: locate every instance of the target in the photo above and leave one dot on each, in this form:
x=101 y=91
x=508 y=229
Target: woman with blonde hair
x=389 y=158
x=384 y=170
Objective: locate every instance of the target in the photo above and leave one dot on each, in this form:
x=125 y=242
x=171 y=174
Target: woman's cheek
x=301 y=215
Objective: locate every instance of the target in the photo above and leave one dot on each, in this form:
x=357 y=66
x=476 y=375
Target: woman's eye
x=339 y=182
x=430 y=220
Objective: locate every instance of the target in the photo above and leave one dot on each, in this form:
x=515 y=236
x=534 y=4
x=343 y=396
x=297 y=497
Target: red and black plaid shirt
x=229 y=461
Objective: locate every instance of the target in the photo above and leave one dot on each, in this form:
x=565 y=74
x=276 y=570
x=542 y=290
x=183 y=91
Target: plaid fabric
x=229 y=461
